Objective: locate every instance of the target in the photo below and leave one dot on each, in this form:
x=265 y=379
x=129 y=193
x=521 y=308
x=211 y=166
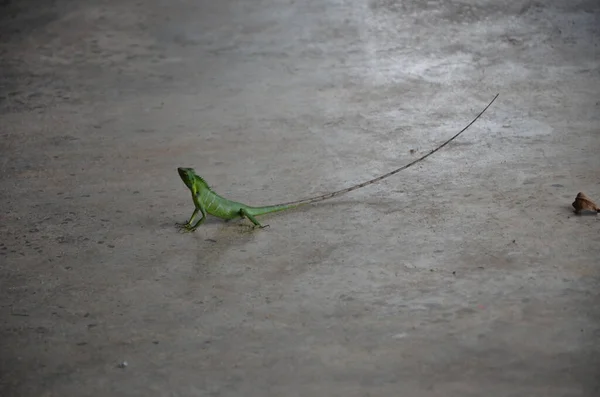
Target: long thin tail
x=379 y=178
x=256 y=211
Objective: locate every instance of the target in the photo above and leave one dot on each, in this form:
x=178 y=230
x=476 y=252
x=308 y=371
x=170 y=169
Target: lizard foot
x=184 y=227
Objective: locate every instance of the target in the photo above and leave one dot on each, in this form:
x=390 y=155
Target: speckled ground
x=467 y=275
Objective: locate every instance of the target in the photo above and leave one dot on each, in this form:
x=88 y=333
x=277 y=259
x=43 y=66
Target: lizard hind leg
x=245 y=213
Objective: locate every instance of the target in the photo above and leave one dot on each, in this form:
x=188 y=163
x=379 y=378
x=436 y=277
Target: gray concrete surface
x=468 y=275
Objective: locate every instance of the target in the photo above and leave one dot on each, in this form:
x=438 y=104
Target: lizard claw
x=184 y=227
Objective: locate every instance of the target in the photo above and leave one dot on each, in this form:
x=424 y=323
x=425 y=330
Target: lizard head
x=187 y=175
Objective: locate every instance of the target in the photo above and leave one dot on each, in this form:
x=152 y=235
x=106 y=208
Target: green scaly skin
x=207 y=201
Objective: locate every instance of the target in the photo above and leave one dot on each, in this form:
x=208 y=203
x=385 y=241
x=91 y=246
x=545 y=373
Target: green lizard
x=207 y=201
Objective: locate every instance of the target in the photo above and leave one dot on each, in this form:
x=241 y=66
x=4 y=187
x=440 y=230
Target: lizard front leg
x=188 y=223
x=199 y=207
x=187 y=227
x=193 y=228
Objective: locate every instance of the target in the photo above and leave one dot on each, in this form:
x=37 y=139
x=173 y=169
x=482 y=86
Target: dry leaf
x=584 y=203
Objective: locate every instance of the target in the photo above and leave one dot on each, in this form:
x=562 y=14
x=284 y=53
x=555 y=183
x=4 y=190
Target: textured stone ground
x=467 y=275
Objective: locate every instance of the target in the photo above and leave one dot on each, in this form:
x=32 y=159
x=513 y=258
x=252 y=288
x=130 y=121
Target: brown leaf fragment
x=584 y=203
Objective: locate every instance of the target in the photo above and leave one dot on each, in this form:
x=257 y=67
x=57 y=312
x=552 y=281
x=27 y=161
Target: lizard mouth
x=184 y=173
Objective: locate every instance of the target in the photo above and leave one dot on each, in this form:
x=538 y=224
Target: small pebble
x=123 y=364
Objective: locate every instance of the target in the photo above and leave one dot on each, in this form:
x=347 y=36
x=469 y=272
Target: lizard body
x=206 y=201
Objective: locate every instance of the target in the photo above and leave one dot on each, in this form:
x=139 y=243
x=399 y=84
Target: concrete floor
x=467 y=275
